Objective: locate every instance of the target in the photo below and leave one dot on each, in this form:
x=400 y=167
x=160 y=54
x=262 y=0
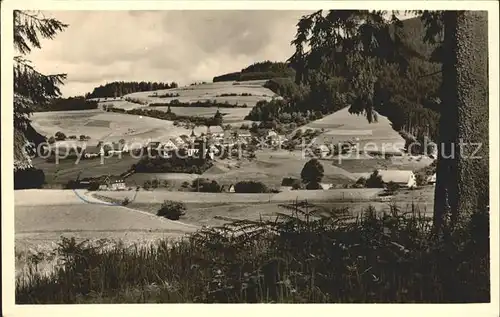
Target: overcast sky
x=180 y=46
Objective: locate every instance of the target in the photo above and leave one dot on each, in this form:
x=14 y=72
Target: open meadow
x=105 y=126
x=218 y=91
x=42 y=217
x=343 y=126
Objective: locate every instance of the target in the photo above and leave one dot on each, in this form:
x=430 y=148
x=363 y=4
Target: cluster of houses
x=215 y=142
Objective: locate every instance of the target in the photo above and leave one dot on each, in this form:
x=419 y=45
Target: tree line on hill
x=203 y=104
x=64 y=104
x=121 y=88
x=259 y=70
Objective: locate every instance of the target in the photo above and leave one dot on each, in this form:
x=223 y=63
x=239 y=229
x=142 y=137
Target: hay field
x=342 y=126
x=211 y=91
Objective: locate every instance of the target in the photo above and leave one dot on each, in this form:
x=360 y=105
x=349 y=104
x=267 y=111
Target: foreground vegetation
x=315 y=255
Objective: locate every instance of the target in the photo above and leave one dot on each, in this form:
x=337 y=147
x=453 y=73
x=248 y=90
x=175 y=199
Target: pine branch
x=28 y=28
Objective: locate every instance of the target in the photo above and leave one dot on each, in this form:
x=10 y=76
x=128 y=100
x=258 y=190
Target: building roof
x=396 y=176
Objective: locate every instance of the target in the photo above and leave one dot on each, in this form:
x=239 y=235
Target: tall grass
x=308 y=255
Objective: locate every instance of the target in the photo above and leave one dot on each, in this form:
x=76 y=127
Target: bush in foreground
x=306 y=255
x=172 y=210
x=250 y=187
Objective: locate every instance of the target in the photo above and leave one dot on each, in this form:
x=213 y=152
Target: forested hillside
x=260 y=70
x=409 y=100
x=121 y=88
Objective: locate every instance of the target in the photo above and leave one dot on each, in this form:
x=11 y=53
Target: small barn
x=402 y=178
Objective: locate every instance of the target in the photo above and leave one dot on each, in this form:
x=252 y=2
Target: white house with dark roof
x=402 y=178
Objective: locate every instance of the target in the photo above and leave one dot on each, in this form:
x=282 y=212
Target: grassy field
x=106 y=126
x=270 y=167
x=67 y=170
x=363 y=166
x=211 y=91
x=42 y=217
x=211 y=209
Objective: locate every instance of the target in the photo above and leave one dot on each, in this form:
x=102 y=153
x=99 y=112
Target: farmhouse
x=402 y=178
x=112 y=183
x=322 y=150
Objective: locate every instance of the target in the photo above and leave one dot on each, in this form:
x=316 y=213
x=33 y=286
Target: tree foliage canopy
x=32 y=88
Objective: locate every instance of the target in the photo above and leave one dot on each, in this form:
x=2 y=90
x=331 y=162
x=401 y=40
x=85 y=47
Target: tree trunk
x=462 y=185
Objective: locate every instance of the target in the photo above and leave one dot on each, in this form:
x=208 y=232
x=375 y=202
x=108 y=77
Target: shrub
x=312 y=171
x=375 y=181
x=361 y=182
x=72 y=137
x=205 y=185
x=421 y=179
x=392 y=187
x=60 y=136
x=155 y=183
x=51 y=140
x=297 y=186
x=125 y=201
x=172 y=210
x=94 y=186
x=250 y=187
x=147 y=185
x=245 y=126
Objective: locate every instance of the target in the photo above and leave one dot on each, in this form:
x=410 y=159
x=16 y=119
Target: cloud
x=181 y=46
